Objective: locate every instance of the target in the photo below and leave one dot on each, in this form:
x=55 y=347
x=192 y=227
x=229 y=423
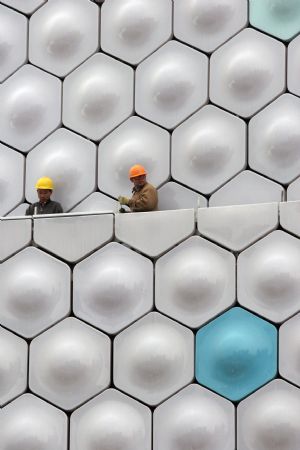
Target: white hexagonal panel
x=27 y=6
x=69 y=363
x=97 y=202
x=206 y=24
x=246 y=188
x=35 y=292
x=13 y=366
x=30 y=423
x=30 y=107
x=247 y=72
x=208 y=149
x=15 y=234
x=153 y=358
x=274 y=140
x=269 y=418
x=195 y=416
x=268 y=276
x=132 y=29
x=63 y=34
x=111 y=421
x=135 y=141
x=175 y=196
x=289 y=350
x=13 y=41
x=113 y=287
x=98 y=96
x=294 y=66
x=70 y=161
x=11 y=179
x=195 y=281
x=171 y=84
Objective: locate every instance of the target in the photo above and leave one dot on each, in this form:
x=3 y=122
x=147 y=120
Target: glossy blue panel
x=236 y=353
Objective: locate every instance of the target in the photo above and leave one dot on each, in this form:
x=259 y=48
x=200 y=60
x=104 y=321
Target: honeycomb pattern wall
x=171 y=330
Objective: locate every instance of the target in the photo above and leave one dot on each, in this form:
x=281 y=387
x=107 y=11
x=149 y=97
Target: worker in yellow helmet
x=45 y=205
x=144 y=195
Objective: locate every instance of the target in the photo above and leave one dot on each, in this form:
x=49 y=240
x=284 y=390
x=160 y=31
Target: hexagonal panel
x=97 y=202
x=193 y=417
x=269 y=418
x=63 y=34
x=289 y=350
x=69 y=363
x=113 y=287
x=35 y=292
x=11 y=179
x=175 y=196
x=293 y=191
x=70 y=161
x=279 y=18
x=133 y=29
x=294 y=66
x=153 y=358
x=27 y=7
x=111 y=420
x=274 y=140
x=15 y=235
x=246 y=188
x=13 y=39
x=171 y=84
x=195 y=281
x=206 y=24
x=247 y=72
x=30 y=423
x=30 y=107
x=98 y=96
x=268 y=276
x=135 y=141
x=13 y=366
x=236 y=353
x=208 y=149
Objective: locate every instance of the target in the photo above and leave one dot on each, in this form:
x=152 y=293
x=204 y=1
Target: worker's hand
x=123 y=200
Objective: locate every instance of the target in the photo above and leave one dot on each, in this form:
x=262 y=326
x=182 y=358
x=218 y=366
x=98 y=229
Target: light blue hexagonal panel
x=236 y=353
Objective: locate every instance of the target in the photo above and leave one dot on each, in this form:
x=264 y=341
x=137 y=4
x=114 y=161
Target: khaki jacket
x=144 y=199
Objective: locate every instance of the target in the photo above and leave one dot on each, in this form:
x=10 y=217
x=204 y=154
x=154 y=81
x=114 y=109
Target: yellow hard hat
x=44 y=183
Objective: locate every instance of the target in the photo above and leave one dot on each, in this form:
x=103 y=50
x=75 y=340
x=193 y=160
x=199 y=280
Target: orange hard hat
x=136 y=171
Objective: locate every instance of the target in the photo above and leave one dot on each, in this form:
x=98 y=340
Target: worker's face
x=138 y=181
x=44 y=195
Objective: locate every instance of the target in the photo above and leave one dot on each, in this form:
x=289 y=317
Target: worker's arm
x=29 y=210
x=146 y=201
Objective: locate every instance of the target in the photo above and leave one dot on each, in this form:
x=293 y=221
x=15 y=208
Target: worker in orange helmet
x=144 y=195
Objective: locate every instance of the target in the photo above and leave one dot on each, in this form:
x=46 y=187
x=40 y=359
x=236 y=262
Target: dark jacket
x=144 y=199
x=50 y=207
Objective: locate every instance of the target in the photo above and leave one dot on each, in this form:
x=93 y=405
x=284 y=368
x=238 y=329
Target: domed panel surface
x=247 y=72
x=97 y=202
x=268 y=276
x=175 y=196
x=13 y=41
x=133 y=29
x=246 y=188
x=98 y=96
x=171 y=84
x=294 y=66
x=35 y=292
x=30 y=423
x=206 y=24
x=69 y=363
x=289 y=350
x=70 y=161
x=62 y=34
x=13 y=366
x=280 y=18
x=30 y=107
x=153 y=358
x=208 y=149
x=27 y=7
x=236 y=354
x=135 y=141
x=195 y=418
x=268 y=419
x=274 y=140
x=11 y=179
x=195 y=281
x=113 y=287
x=111 y=421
